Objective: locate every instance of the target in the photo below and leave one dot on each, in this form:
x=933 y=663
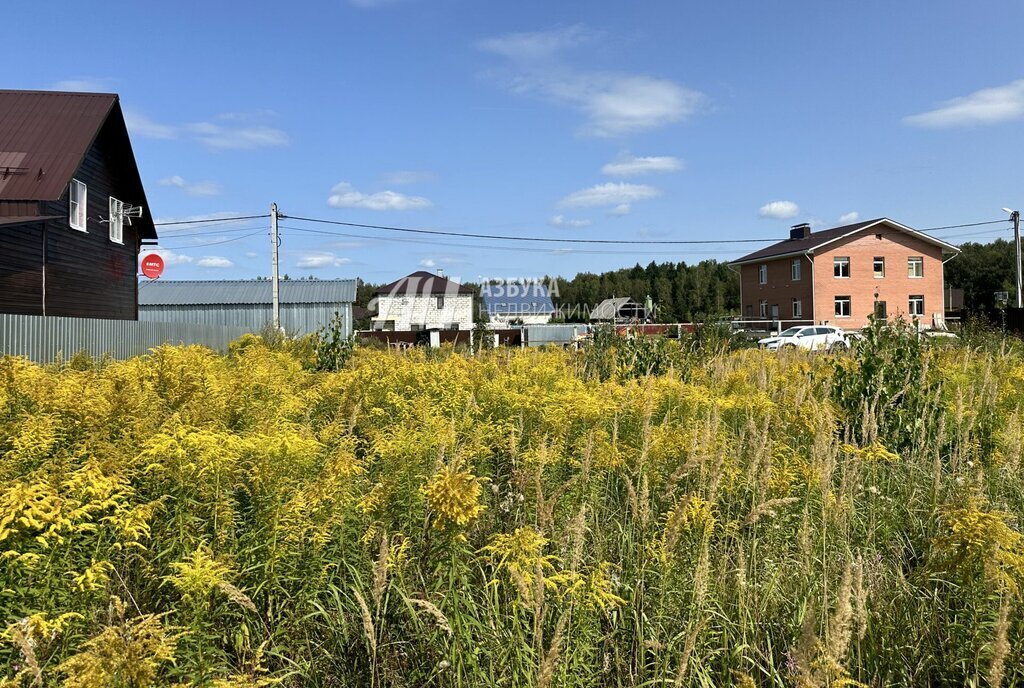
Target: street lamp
x=1015 y=218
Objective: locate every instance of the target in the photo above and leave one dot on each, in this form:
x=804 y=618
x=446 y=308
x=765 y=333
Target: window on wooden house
x=116 y=220
x=77 y=205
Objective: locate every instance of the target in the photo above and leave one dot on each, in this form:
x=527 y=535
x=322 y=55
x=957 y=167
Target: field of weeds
x=634 y=514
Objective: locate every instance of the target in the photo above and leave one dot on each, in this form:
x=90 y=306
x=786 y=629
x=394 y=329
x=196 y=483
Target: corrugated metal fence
x=41 y=339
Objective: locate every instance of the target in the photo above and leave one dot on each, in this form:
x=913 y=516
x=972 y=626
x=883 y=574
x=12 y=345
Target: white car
x=811 y=337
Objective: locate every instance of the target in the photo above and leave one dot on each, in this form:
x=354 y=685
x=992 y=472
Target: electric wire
x=209 y=220
x=521 y=249
x=505 y=237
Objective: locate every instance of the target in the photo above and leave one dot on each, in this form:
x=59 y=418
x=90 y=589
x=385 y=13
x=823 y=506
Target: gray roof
x=816 y=240
x=609 y=308
x=243 y=292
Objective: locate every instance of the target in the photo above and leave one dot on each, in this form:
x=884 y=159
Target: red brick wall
x=780 y=289
x=895 y=288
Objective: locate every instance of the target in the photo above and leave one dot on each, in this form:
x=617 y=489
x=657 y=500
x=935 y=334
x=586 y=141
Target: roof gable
x=45 y=136
x=818 y=240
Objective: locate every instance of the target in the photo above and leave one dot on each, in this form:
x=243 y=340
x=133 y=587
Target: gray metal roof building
x=306 y=305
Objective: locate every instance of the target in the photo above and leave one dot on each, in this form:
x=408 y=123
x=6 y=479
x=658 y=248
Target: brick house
x=423 y=301
x=842 y=276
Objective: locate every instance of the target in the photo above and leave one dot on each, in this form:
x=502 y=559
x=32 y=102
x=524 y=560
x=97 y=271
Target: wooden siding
x=21 y=269
x=87 y=274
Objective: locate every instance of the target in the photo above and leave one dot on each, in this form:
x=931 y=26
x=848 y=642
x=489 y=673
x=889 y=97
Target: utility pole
x=274 y=240
x=1015 y=216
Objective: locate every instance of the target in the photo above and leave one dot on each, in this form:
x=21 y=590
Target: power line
x=211 y=243
x=209 y=219
x=521 y=249
x=506 y=237
x=217 y=231
x=969 y=224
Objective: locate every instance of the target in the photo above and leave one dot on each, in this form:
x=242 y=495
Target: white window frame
x=837 y=264
x=78 y=205
x=798 y=308
x=911 y=262
x=916 y=299
x=878 y=260
x=849 y=306
x=116 y=220
x=762 y=273
x=762 y=306
x=794 y=270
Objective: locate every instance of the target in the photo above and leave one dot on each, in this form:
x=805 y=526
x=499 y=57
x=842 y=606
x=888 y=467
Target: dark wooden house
x=68 y=181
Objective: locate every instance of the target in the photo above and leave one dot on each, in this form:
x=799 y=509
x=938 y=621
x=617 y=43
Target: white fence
x=43 y=338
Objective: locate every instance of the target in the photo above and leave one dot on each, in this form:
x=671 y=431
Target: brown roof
x=422 y=282
x=815 y=240
x=45 y=136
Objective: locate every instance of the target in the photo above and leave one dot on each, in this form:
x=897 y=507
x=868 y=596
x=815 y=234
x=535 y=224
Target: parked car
x=811 y=337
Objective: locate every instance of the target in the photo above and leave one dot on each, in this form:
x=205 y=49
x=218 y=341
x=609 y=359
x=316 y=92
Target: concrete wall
x=422 y=311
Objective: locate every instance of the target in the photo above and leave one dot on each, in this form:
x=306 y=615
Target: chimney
x=800 y=231
x=440 y=272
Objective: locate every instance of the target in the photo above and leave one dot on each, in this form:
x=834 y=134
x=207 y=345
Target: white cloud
x=779 y=210
x=237 y=138
x=251 y=254
x=409 y=177
x=612 y=193
x=318 y=260
x=193 y=189
x=214 y=262
x=439 y=261
x=85 y=84
x=849 y=218
x=562 y=221
x=343 y=195
x=620 y=210
x=244 y=136
x=536 y=45
x=140 y=125
x=170 y=257
x=987 y=106
x=614 y=103
x=630 y=165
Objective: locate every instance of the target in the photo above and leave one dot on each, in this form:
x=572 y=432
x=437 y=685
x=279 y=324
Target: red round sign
x=152 y=266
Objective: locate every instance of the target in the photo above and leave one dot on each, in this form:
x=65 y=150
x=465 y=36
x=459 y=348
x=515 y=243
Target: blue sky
x=577 y=119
